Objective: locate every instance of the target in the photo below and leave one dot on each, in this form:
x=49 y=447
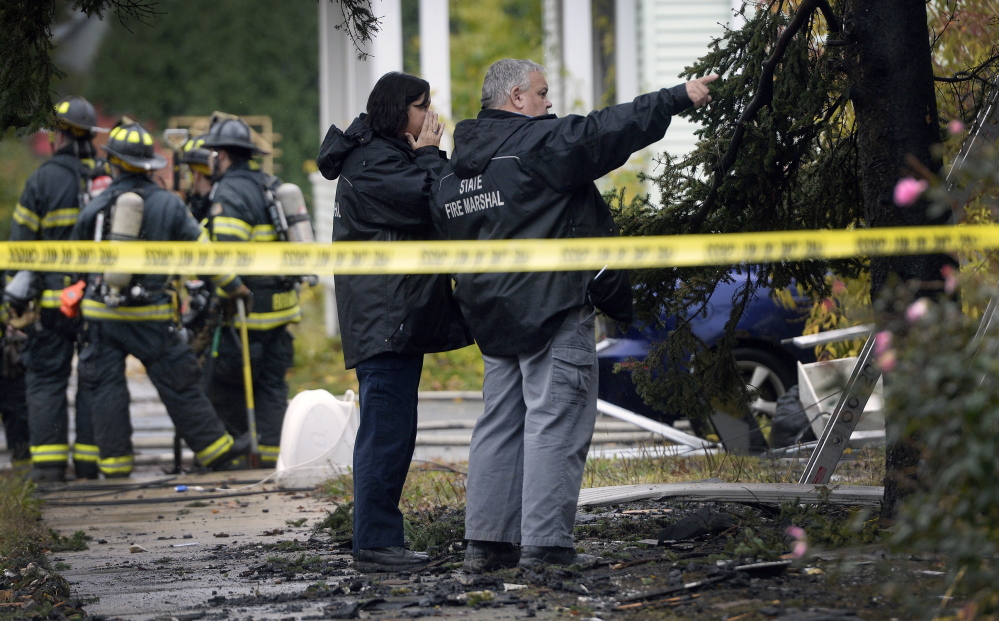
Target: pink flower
x=887 y=361
x=882 y=342
x=950 y=279
x=955 y=127
x=908 y=190
x=800 y=541
x=839 y=287
x=917 y=310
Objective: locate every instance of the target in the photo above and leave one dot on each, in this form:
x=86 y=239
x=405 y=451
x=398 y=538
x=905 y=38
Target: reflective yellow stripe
x=269 y=454
x=224 y=280
x=60 y=217
x=273 y=319
x=26 y=217
x=215 y=450
x=232 y=227
x=50 y=298
x=86 y=453
x=50 y=454
x=93 y=309
x=117 y=465
x=264 y=233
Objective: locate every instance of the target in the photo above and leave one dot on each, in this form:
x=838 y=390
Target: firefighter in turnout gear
x=198 y=160
x=137 y=314
x=13 y=400
x=241 y=212
x=48 y=209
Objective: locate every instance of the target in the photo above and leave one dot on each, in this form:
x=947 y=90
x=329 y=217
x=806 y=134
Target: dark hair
x=388 y=103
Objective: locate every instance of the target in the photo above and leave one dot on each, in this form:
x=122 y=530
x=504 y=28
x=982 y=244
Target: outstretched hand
x=430 y=133
x=697 y=90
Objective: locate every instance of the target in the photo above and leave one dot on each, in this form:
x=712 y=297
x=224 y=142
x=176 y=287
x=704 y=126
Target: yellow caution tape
x=522 y=255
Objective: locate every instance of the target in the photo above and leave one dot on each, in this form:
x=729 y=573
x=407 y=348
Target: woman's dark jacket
x=383 y=195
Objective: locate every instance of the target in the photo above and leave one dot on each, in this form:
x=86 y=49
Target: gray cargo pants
x=530 y=444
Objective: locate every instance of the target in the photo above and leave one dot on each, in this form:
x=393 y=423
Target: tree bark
x=888 y=62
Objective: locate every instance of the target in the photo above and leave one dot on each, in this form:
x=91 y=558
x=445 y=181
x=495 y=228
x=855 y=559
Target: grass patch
x=23 y=537
x=658 y=467
x=74 y=543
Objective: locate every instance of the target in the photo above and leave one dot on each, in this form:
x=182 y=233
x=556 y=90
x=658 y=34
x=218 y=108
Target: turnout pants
x=272 y=353
x=14 y=411
x=173 y=370
x=48 y=361
x=388 y=385
x=529 y=446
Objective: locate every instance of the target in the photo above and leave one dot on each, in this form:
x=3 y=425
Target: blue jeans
x=384 y=446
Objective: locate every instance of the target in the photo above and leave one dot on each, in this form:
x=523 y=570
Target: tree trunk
x=888 y=62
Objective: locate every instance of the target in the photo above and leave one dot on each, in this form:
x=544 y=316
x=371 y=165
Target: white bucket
x=317 y=438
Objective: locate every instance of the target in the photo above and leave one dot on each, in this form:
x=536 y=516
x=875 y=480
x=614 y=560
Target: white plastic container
x=317 y=438
x=820 y=385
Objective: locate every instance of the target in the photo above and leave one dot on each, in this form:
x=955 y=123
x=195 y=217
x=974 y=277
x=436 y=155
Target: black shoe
x=241 y=447
x=483 y=556
x=48 y=474
x=86 y=470
x=395 y=558
x=532 y=557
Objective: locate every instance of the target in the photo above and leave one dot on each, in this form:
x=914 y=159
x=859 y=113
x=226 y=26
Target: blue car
x=764 y=362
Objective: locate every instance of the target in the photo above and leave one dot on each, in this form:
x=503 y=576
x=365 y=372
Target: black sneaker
x=48 y=474
x=395 y=558
x=483 y=556
x=533 y=557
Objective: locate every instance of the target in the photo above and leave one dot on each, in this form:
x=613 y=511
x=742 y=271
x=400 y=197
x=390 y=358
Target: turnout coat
x=518 y=177
x=383 y=195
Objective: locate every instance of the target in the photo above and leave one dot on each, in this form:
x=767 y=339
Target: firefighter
x=13 y=400
x=47 y=211
x=241 y=212
x=199 y=162
x=138 y=317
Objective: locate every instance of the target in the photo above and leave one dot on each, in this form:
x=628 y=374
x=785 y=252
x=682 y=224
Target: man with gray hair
x=521 y=173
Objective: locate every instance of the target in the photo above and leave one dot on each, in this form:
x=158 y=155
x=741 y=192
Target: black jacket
x=164 y=218
x=383 y=195
x=239 y=213
x=519 y=177
x=48 y=209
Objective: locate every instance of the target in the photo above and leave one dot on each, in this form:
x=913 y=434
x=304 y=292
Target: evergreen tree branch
x=763 y=96
x=359 y=23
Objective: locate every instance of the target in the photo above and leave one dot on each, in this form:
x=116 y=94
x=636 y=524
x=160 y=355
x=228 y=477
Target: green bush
x=946 y=399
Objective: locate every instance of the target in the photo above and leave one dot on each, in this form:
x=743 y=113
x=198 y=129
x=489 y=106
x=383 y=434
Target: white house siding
x=672 y=34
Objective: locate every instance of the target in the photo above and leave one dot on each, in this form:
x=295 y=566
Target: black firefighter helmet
x=194 y=154
x=233 y=132
x=77 y=115
x=131 y=147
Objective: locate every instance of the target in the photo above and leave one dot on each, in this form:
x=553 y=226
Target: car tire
x=772 y=375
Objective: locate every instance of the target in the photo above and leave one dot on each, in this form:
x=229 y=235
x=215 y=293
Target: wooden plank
x=767 y=493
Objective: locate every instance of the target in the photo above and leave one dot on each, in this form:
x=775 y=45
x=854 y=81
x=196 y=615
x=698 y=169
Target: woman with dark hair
x=386 y=162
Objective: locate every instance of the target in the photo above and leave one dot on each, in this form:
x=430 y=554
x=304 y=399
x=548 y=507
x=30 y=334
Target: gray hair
x=503 y=76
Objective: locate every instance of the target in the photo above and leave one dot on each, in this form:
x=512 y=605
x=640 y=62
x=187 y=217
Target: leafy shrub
x=945 y=396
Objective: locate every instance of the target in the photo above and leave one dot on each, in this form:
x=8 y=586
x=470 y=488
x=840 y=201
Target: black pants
x=48 y=361
x=173 y=370
x=272 y=353
x=389 y=384
x=14 y=410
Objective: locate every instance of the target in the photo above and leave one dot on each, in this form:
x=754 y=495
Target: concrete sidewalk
x=156 y=554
